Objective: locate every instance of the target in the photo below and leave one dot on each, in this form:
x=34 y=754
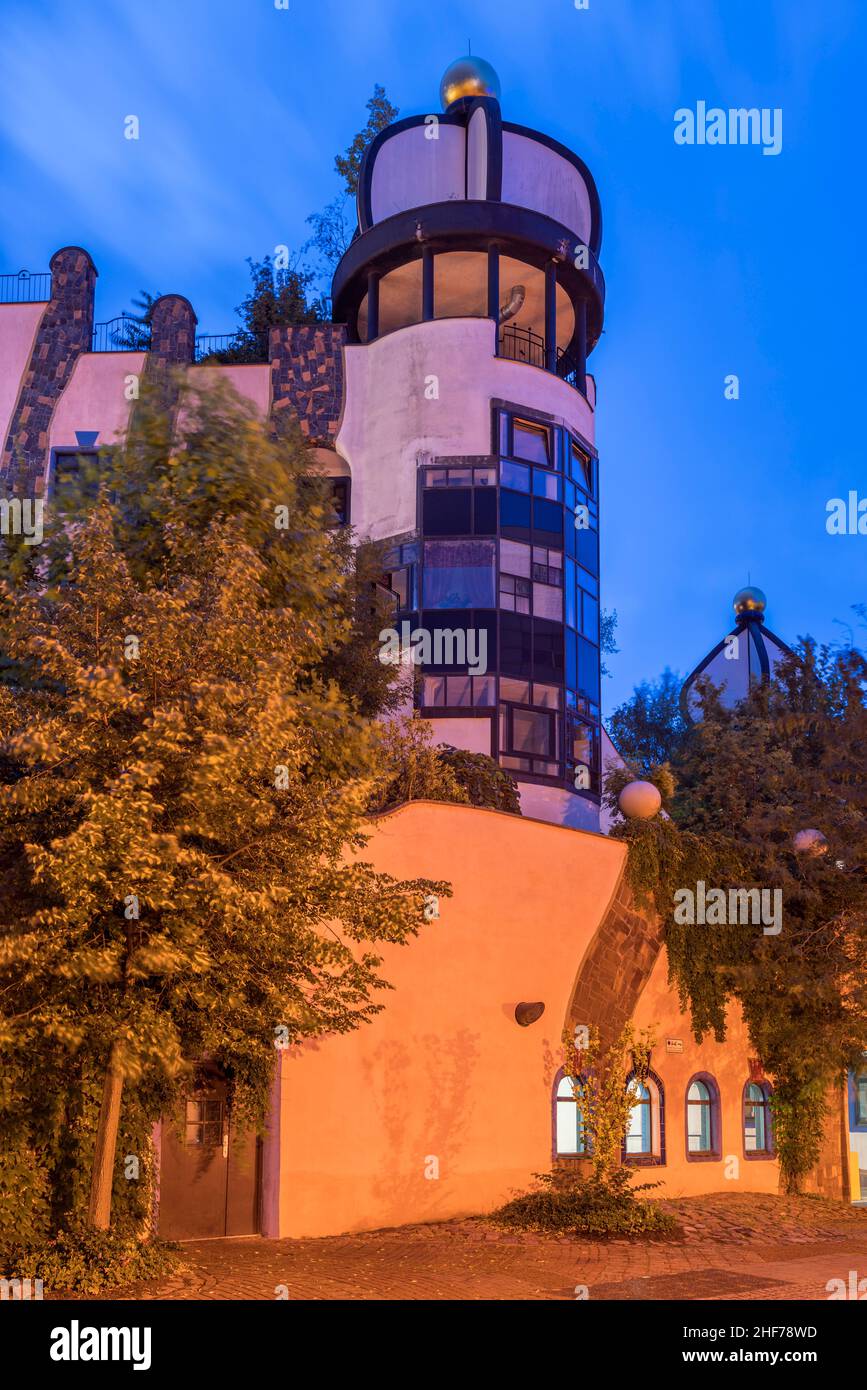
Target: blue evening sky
x=717 y=259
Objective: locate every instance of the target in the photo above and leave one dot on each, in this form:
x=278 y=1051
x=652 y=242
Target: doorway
x=209 y=1173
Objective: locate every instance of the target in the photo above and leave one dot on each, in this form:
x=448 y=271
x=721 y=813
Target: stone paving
x=748 y=1247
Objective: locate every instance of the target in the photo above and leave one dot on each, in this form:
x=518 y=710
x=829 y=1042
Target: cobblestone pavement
x=751 y=1247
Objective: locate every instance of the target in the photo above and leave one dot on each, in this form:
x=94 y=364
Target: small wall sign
x=674 y=1044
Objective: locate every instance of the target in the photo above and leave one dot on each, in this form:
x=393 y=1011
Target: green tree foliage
x=182 y=790
x=279 y=296
x=380 y=113
x=648 y=728
x=416 y=769
x=333 y=228
x=745 y=780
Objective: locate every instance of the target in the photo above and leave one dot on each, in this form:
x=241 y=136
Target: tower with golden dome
x=473 y=297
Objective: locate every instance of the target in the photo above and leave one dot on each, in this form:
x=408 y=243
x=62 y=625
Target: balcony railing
x=125 y=333
x=237 y=347
x=523 y=345
x=24 y=288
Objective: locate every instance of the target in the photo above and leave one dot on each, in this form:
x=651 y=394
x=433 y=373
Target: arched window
x=569 y=1134
x=758 y=1135
x=702 y=1118
x=645 y=1135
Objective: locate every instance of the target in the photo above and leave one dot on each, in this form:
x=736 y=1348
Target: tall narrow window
x=639 y=1135
x=699 y=1119
x=861 y=1098
x=757 y=1118
x=570 y=1134
x=645 y=1135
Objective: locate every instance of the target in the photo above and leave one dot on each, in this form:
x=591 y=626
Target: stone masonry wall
x=65 y=331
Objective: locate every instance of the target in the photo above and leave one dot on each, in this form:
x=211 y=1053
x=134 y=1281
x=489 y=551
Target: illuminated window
x=530 y=442
x=701 y=1118
x=570 y=1132
x=757 y=1118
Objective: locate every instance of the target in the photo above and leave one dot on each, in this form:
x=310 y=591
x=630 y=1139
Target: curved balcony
x=476 y=259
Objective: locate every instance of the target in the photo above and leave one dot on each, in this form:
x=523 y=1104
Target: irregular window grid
x=460 y=477
x=204 y=1123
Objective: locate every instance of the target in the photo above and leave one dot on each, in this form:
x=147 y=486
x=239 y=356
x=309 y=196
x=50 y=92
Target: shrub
x=85 y=1260
x=592 y=1206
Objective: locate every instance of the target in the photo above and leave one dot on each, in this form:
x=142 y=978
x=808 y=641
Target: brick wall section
x=173 y=333
x=307 y=378
x=616 y=967
x=65 y=331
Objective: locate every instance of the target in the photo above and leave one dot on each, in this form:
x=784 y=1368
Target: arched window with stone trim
x=758 y=1129
x=703 y=1118
x=644 y=1142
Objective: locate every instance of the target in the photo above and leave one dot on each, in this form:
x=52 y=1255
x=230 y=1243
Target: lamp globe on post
x=640 y=800
x=810 y=842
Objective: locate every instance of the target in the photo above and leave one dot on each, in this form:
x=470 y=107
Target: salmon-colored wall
x=251 y=380
x=728 y=1064
x=96 y=398
x=445 y=1072
x=18 y=325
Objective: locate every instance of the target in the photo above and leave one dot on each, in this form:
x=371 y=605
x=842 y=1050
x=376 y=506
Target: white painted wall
x=410 y=170
x=388 y=420
x=535 y=176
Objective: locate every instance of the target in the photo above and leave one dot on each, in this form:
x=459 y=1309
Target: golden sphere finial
x=468 y=77
x=749 y=600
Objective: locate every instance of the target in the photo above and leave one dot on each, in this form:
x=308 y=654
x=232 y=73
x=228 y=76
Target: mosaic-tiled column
x=65 y=331
x=307 y=378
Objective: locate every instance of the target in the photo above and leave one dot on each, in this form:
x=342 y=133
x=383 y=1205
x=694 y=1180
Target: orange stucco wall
x=445 y=1073
x=728 y=1064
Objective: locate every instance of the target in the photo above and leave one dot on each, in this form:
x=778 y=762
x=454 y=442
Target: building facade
x=450 y=402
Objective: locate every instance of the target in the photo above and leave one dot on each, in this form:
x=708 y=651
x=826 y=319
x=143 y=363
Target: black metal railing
x=519 y=344
x=239 y=346
x=522 y=345
x=24 y=288
x=125 y=333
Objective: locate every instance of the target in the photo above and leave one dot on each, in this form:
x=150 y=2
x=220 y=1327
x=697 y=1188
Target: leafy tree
x=607 y=641
x=333 y=228
x=135 y=333
x=279 y=296
x=182 y=792
x=649 y=727
x=417 y=769
x=746 y=779
x=380 y=113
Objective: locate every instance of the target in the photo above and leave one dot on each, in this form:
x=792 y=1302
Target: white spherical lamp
x=639 y=800
x=810 y=842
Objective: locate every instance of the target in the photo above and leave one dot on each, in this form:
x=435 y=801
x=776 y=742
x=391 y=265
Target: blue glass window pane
x=571 y=658
x=516 y=475
x=588 y=669
x=588 y=550
x=514 y=511
x=591 y=618
x=548 y=518
x=570 y=594
x=546 y=485
x=459 y=574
